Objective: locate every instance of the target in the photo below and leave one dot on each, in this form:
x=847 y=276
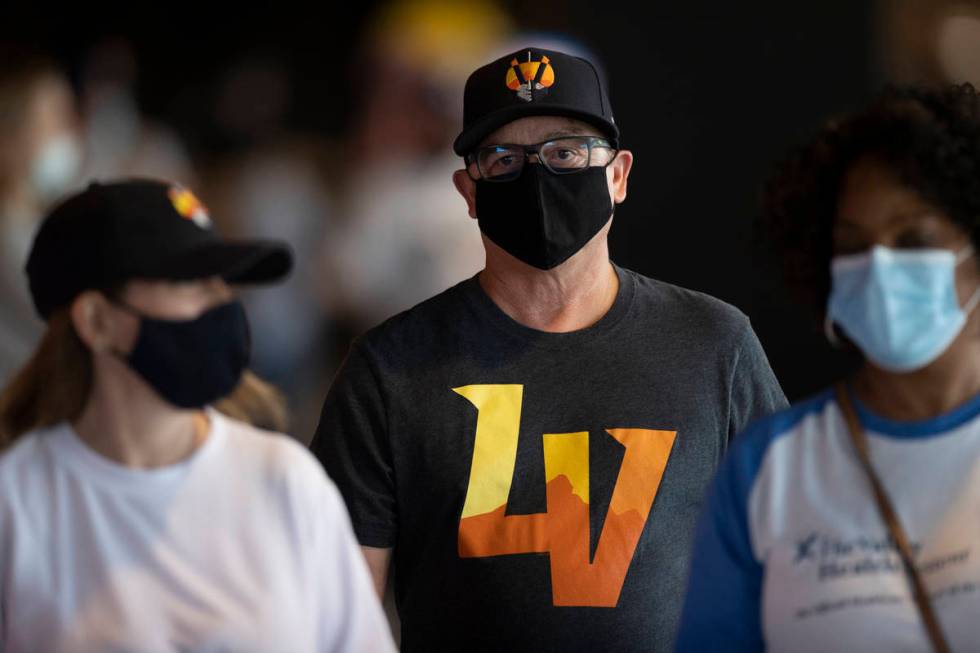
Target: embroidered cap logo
x=189 y=207
x=530 y=77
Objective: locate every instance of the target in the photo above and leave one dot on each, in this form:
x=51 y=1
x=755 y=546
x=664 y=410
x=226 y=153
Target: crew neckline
x=68 y=448
x=488 y=310
x=932 y=426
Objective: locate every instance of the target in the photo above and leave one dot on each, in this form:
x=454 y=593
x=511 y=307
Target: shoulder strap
x=895 y=528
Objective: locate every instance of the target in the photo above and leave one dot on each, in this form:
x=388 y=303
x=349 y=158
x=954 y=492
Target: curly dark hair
x=928 y=137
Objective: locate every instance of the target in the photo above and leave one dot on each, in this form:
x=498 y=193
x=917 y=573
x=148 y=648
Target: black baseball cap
x=138 y=228
x=533 y=82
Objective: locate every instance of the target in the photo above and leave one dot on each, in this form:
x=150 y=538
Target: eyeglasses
x=560 y=156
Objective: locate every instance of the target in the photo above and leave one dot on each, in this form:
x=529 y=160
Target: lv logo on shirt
x=563 y=531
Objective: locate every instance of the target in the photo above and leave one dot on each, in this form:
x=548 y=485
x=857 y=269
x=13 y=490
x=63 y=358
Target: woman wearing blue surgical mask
x=851 y=521
x=39 y=159
x=136 y=512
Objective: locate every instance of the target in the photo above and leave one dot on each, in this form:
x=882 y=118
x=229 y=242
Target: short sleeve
x=352 y=444
x=754 y=390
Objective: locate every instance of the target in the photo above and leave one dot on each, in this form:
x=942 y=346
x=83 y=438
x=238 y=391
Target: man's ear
x=619 y=175
x=466 y=188
x=90 y=316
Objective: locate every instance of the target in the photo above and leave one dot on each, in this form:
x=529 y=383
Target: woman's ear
x=90 y=315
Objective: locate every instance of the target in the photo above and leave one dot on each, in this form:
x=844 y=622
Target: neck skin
x=948 y=382
x=126 y=421
x=569 y=297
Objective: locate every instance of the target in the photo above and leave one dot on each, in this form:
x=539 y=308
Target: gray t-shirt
x=540 y=490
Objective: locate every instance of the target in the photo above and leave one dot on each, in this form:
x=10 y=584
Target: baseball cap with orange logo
x=533 y=82
x=139 y=228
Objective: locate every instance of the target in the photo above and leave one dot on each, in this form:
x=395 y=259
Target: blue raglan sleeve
x=722 y=607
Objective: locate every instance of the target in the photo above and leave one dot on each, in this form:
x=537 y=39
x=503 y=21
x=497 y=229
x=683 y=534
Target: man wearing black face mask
x=533 y=444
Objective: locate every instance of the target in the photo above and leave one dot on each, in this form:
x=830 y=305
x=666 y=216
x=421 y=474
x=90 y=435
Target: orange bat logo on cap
x=189 y=207
x=529 y=76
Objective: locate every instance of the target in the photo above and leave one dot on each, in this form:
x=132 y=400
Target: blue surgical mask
x=55 y=166
x=899 y=306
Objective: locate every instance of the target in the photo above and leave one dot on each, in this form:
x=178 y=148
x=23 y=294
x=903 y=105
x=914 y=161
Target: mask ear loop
x=974 y=299
x=125 y=308
x=972 y=302
x=831 y=335
x=964 y=254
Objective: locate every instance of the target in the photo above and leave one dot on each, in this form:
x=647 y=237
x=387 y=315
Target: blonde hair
x=56 y=381
x=53 y=386
x=256 y=402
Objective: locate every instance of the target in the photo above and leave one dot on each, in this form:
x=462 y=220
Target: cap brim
x=470 y=138
x=236 y=262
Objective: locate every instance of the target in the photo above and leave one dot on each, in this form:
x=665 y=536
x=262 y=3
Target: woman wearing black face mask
x=133 y=516
x=850 y=521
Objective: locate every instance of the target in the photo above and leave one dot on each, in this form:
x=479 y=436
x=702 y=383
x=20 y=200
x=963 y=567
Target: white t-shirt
x=243 y=546
x=792 y=554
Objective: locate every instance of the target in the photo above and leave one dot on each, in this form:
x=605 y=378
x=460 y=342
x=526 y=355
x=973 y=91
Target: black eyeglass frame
x=590 y=141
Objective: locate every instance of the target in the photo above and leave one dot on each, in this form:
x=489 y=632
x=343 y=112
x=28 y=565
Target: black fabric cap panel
x=138 y=228
x=533 y=82
x=471 y=139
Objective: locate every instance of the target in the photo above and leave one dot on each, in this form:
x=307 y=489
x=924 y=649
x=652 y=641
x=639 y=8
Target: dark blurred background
x=331 y=128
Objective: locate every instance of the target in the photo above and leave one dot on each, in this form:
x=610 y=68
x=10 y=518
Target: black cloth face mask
x=542 y=218
x=191 y=363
